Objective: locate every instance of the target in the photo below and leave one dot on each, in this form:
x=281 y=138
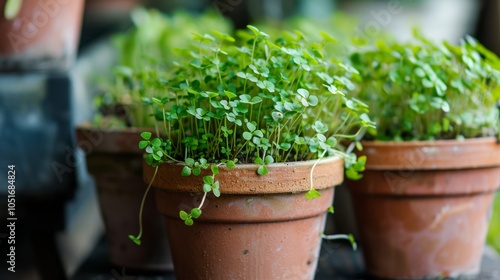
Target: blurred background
x=41 y=103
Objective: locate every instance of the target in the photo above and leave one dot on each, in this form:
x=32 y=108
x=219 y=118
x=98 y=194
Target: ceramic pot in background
x=115 y=161
x=422 y=207
x=43 y=36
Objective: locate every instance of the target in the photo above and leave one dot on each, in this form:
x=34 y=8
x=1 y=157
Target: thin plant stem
x=141 y=210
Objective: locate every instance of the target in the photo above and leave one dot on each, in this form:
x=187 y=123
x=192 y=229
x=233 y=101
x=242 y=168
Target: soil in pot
x=261 y=227
x=422 y=208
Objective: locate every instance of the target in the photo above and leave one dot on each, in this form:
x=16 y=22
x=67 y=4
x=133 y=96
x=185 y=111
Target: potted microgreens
x=433 y=162
x=110 y=140
x=39 y=35
x=248 y=153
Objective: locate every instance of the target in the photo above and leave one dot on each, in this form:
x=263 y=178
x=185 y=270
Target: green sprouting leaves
x=188 y=219
x=156 y=149
x=186 y=171
x=262 y=169
x=12 y=8
x=424 y=90
x=353 y=171
x=134 y=239
x=312 y=194
x=210 y=185
x=250 y=99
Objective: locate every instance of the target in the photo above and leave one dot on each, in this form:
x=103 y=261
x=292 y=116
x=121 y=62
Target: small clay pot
x=43 y=36
x=261 y=227
x=115 y=161
x=422 y=207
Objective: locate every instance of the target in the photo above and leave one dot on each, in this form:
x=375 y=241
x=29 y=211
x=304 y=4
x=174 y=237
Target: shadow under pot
x=115 y=161
x=422 y=207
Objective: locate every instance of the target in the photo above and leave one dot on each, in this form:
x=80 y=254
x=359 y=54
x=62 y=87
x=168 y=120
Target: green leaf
x=203 y=163
x=251 y=127
x=183 y=215
x=216 y=192
x=223 y=36
x=135 y=239
x=230 y=164
x=156 y=142
x=195 y=213
x=208 y=180
x=262 y=170
x=359 y=146
x=247 y=135
x=258 y=160
x=156 y=157
x=229 y=94
x=215 y=169
x=188 y=222
x=143 y=144
x=331 y=209
x=420 y=72
x=312 y=194
x=303 y=92
x=189 y=161
x=352 y=174
x=12 y=8
x=157 y=101
x=328 y=38
x=255 y=30
x=149 y=159
x=332 y=141
x=268 y=159
x=146 y=135
x=186 y=171
x=196 y=171
x=207 y=188
x=258 y=133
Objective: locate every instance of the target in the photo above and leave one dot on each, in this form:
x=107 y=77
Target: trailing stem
x=137 y=239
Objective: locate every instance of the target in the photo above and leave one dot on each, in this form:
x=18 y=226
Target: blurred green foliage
x=493 y=238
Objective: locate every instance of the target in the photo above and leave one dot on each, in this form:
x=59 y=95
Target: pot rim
x=95 y=140
x=440 y=142
x=90 y=127
x=432 y=155
x=243 y=179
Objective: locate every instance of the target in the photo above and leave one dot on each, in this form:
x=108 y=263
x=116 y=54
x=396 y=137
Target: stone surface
x=337 y=261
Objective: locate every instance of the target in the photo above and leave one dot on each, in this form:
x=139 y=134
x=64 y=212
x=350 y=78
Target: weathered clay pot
x=261 y=227
x=422 y=207
x=44 y=35
x=115 y=161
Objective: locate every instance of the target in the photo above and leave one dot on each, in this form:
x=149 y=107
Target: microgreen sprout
x=251 y=99
x=425 y=91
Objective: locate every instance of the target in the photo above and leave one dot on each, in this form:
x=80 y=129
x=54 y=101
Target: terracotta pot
x=261 y=227
x=115 y=162
x=44 y=35
x=422 y=207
